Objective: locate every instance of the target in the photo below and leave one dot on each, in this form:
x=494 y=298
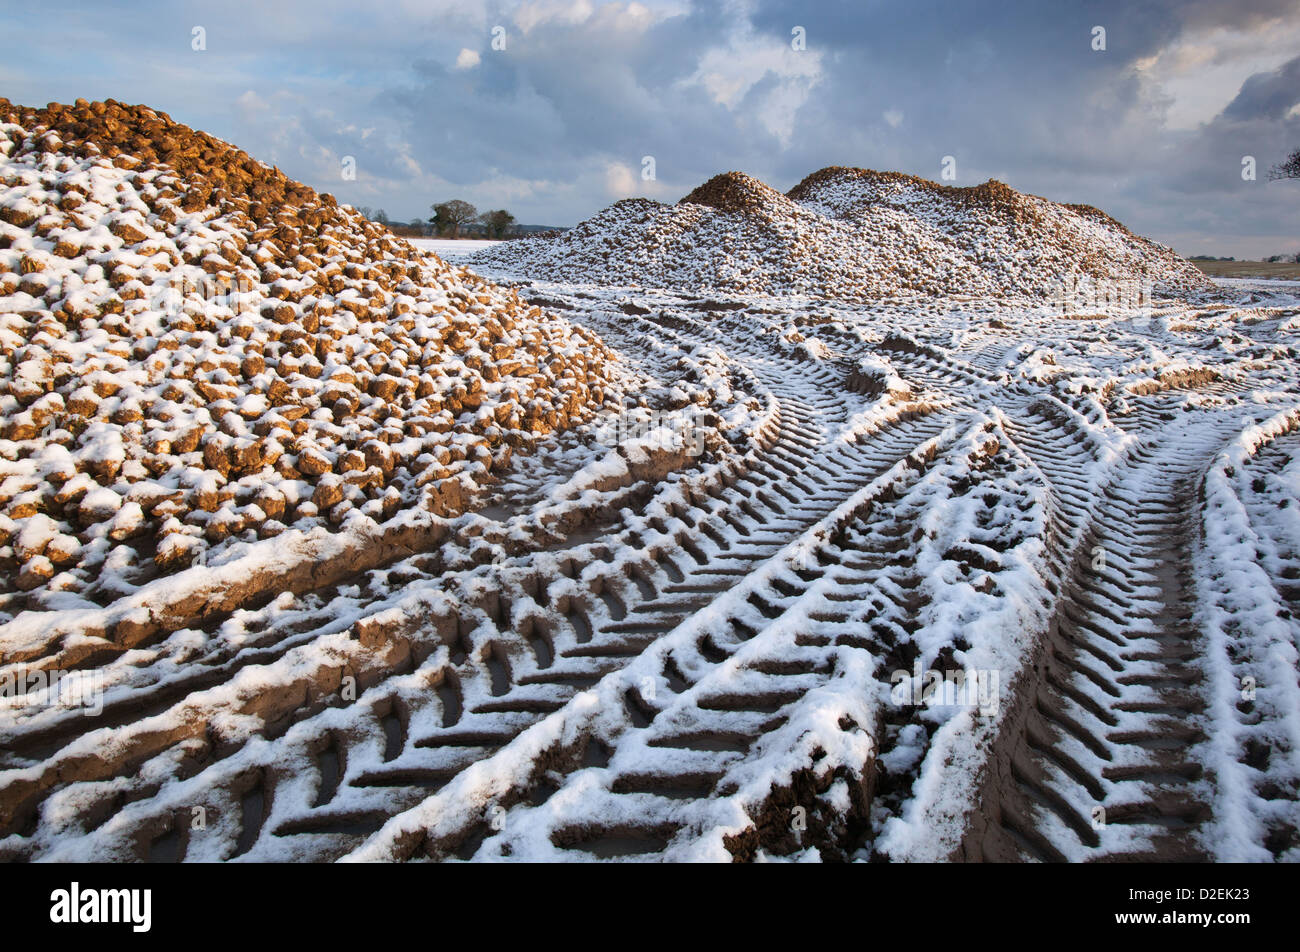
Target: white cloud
x=467 y=59
x=728 y=74
x=250 y=105
x=529 y=15
x=894 y=117
x=621 y=181
x=1201 y=72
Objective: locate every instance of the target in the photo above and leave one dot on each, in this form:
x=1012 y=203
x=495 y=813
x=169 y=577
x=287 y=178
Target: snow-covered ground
x=1076 y=528
x=1261 y=282
x=451 y=249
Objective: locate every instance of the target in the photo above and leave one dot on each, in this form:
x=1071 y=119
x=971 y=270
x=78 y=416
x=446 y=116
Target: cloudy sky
x=550 y=107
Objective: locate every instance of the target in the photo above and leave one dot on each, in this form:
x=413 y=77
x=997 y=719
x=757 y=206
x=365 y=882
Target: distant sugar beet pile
x=195 y=348
x=855 y=235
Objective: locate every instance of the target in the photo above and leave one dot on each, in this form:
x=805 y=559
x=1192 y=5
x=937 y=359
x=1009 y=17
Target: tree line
x=450 y=217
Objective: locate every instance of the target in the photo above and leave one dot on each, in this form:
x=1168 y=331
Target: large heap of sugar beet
x=195 y=348
x=854 y=235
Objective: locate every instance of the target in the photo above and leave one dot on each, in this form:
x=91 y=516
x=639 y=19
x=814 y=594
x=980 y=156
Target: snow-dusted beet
x=184 y=332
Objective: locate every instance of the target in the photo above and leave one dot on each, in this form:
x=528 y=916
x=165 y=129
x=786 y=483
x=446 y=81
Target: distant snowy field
x=450 y=249
x=1225 y=282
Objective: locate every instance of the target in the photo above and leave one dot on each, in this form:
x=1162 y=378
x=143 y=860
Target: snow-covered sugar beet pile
x=197 y=351
x=856 y=235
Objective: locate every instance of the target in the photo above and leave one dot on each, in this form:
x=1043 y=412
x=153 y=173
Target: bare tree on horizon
x=449 y=217
x=1289 y=169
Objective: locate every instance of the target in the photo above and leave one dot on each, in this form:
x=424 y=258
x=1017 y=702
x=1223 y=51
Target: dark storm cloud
x=1015 y=91
x=1268 y=95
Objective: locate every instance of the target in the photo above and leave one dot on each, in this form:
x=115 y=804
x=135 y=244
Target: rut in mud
x=720 y=656
x=1099 y=760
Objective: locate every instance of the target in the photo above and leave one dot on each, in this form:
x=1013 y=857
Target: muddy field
x=703 y=662
x=1250 y=269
